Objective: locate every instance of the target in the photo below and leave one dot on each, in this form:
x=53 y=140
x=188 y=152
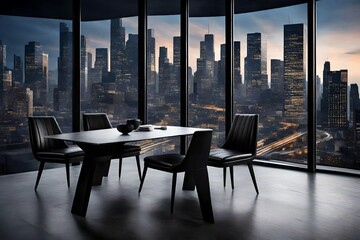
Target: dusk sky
x=338 y=35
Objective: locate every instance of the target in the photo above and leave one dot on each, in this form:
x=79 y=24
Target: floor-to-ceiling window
x=270 y=79
x=206 y=75
x=163 y=72
x=36 y=79
x=109 y=68
x=269 y=75
x=338 y=79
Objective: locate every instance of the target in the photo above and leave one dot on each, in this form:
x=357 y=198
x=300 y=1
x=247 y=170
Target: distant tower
x=2 y=68
x=204 y=75
x=18 y=76
x=164 y=72
x=237 y=64
x=101 y=60
x=256 y=66
x=84 y=69
x=277 y=80
x=294 y=73
x=36 y=72
x=117 y=49
x=151 y=64
x=334 y=102
x=62 y=94
x=354 y=101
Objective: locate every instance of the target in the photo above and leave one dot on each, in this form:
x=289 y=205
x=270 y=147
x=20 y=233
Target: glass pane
x=207 y=73
x=272 y=79
x=36 y=77
x=109 y=68
x=163 y=74
x=338 y=106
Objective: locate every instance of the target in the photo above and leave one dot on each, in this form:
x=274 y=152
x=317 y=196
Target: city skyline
x=269 y=23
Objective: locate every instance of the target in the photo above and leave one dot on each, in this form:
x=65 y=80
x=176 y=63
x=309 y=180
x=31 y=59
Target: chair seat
x=164 y=162
x=227 y=156
x=60 y=154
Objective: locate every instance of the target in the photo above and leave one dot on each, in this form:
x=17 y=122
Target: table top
x=111 y=135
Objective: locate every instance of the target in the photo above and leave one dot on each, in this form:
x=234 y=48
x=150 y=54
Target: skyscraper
x=2 y=67
x=151 y=65
x=294 y=73
x=256 y=66
x=277 y=80
x=36 y=72
x=84 y=69
x=334 y=101
x=354 y=101
x=101 y=60
x=237 y=64
x=117 y=49
x=165 y=83
x=62 y=94
x=18 y=76
x=204 y=75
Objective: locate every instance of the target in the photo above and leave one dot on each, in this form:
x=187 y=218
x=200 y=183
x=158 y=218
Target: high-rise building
x=62 y=94
x=36 y=72
x=204 y=75
x=2 y=67
x=84 y=69
x=177 y=52
x=151 y=65
x=18 y=76
x=164 y=87
x=118 y=63
x=237 y=64
x=334 y=99
x=132 y=55
x=256 y=78
x=354 y=101
x=101 y=60
x=294 y=73
x=277 y=80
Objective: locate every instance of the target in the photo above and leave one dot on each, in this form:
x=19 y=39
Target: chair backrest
x=39 y=127
x=96 y=121
x=243 y=133
x=198 y=152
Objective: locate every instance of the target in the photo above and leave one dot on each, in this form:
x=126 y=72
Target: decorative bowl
x=125 y=128
x=135 y=122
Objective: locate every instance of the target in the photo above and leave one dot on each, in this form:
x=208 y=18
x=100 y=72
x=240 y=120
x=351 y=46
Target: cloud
x=354 y=52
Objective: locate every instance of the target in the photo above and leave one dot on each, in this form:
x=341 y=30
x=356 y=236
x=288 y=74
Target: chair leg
x=224 y=176
x=138 y=166
x=232 y=176
x=120 y=164
x=251 y=169
x=173 y=188
x=41 y=168
x=143 y=178
x=67 y=174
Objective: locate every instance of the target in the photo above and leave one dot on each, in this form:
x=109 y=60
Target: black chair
x=96 y=121
x=194 y=159
x=47 y=150
x=239 y=148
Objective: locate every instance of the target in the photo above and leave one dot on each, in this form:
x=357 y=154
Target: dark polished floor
x=291 y=205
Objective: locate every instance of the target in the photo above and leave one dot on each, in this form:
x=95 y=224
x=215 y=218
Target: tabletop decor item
x=125 y=128
x=135 y=122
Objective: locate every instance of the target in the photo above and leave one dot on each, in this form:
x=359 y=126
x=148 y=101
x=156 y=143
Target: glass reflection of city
x=110 y=83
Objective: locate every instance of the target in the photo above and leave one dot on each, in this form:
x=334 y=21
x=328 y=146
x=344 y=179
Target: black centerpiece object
x=125 y=128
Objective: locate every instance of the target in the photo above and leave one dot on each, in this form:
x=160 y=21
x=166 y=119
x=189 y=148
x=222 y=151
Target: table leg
x=83 y=188
x=189 y=183
x=200 y=179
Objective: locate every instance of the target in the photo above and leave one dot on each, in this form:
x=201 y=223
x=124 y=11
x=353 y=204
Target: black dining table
x=98 y=146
